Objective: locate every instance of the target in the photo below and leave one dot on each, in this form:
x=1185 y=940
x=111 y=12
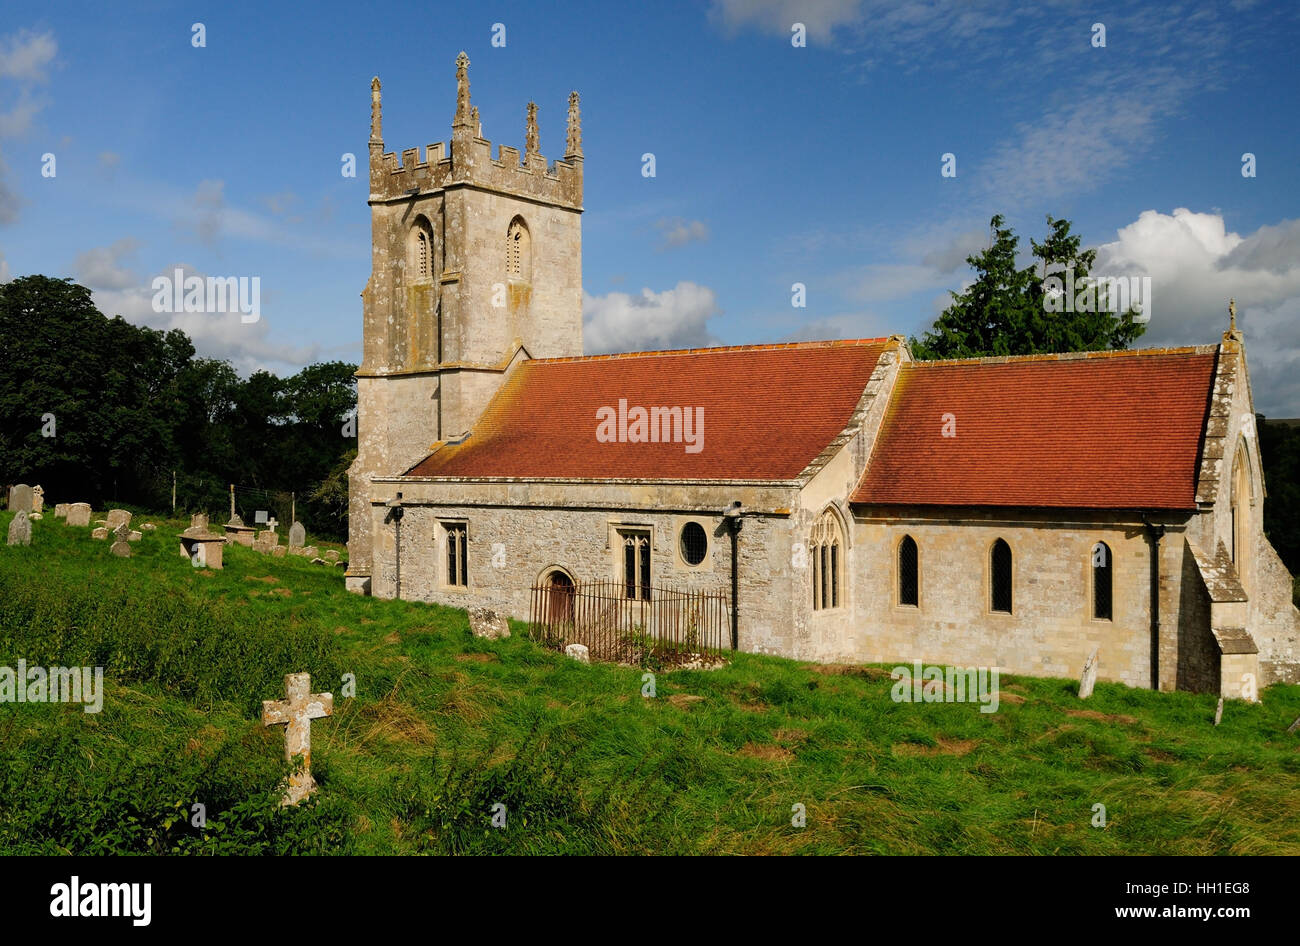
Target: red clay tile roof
x=1112 y=430
x=769 y=410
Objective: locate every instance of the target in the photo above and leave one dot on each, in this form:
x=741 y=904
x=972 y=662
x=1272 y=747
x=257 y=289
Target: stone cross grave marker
x=1089 y=678
x=121 y=536
x=297 y=711
x=20 y=530
x=38 y=499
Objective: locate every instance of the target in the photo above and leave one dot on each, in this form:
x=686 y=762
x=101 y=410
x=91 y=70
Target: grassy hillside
x=443 y=726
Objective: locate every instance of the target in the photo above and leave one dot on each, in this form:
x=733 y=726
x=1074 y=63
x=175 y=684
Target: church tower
x=473 y=258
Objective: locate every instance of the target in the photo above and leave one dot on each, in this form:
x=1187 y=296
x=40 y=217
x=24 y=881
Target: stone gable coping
x=1218 y=573
x=1214 y=442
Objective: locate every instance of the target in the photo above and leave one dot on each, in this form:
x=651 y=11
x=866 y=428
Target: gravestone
x=1089 y=678
x=307 y=551
x=488 y=623
x=79 y=514
x=121 y=541
x=1218 y=712
x=134 y=536
x=296 y=713
x=20 y=530
x=38 y=499
x=578 y=652
x=99 y=533
x=297 y=536
x=265 y=541
x=198 y=523
x=60 y=510
x=20 y=498
x=36 y=517
x=148 y=527
x=330 y=555
x=259 y=517
x=277 y=551
x=117 y=517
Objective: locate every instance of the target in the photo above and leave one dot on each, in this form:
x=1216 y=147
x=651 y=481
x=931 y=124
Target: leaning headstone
x=99 y=533
x=486 y=622
x=121 y=546
x=148 y=527
x=133 y=536
x=38 y=499
x=277 y=551
x=60 y=510
x=578 y=652
x=307 y=551
x=297 y=712
x=1089 y=678
x=117 y=517
x=20 y=498
x=79 y=514
x=330 y=555
x=36 y=516
x=1218 y=713
x=20 y=530
x=297 y=536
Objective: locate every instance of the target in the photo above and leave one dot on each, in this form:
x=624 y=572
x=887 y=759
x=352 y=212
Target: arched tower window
x=1000 y=576
x=518 y=252
x=826 y=548
x=419 y=260
x=1102 y=582
x=909 y=576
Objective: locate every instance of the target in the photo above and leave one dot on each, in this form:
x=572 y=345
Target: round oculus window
x=695 y=544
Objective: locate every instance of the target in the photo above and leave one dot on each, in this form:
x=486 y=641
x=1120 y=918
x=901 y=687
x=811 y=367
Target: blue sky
x=774 y=164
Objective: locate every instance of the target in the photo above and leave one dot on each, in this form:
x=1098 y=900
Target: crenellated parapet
x=468 y=160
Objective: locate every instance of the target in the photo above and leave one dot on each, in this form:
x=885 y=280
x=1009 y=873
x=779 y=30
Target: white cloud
x=1071 y=149
x=101 y=267
x=246 y=346
x=209 y=209
x=678 y=231
x=4 y=269
x=26 y=55
x=843 y=325
x=819 y=17
x=674 y=318
x=1196 y=264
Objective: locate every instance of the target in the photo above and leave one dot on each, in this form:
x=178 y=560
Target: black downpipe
x=397 y=514
x=1155 y=533
x=736 y=522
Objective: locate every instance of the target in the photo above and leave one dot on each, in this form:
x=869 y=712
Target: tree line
x=99 y=410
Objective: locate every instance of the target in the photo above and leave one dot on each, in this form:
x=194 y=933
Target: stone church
x=853 y=504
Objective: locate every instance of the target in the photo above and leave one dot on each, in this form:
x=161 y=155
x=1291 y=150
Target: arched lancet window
x=1000 y=576
x=826 y=548
x=909 y=576
x=419 y=260
x=1102 y=582
x=518 y=251
x=1241 y=497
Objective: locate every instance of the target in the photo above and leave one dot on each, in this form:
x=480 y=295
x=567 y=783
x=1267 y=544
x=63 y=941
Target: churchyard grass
x=444 y=726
